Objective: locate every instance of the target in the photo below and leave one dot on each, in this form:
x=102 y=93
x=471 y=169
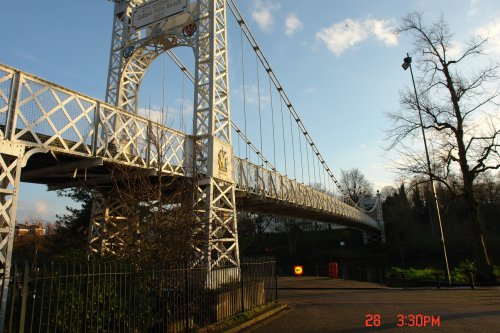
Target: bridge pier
x=373 y=237
x=11 y=162
x=108 y=225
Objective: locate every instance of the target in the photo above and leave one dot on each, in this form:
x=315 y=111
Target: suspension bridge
x=59 y=137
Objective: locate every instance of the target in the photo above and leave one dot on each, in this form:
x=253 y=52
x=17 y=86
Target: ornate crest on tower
x=222 y=160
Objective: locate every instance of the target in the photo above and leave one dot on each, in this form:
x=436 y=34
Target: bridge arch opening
x=165 y=94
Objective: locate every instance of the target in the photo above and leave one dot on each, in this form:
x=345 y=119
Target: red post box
x=333 y=269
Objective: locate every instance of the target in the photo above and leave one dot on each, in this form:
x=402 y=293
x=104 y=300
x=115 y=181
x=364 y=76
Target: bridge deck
x=81 y=132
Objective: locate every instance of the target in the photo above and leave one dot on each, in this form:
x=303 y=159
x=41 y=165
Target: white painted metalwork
x=10 y=163
x=40 y=116
x=215 y=192
x=50 y=116
x=79 y=125
x=271 y=186
x=133 y=49
x=107 y=225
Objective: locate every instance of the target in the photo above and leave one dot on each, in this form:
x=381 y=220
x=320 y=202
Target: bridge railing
x=40 y=113
x=259 y=181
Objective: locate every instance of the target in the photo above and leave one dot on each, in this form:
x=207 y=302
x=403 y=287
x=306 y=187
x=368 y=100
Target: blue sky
x=337 y=60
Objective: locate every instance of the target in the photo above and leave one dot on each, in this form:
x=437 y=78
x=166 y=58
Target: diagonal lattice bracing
x=254 y=180
x=134 y=130
x=213 y=155
x=6 y=85
x=11 y=156
x=108 y=225
x=47 y=115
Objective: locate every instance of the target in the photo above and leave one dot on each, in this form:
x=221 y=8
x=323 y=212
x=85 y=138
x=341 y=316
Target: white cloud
x=473 y=8
x=41 y=207
x=262 y=14
x=155 y=114
x=252 y=94
x=455 y=50
x=177 y=116
x=491 y=30
x=293 y=24
x=383 y=31
x=343 y=35
x=38 y=209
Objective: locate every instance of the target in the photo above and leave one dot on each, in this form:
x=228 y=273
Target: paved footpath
x=333 y=305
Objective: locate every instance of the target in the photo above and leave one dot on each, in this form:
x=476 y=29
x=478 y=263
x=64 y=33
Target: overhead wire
x=241 y=133
x=272 y=121
x=259 y=103
x=301 y=155
x=283 y=132
x=251 y=39
x=293 y=147
x=292 y=112
x=244 y=89
x=308 y=163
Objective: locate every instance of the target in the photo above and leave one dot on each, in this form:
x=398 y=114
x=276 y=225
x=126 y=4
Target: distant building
x=30 y=230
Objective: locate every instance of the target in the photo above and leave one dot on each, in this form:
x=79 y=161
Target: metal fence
x=113 y=297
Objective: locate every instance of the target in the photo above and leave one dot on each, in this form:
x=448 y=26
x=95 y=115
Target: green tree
x=69 y=241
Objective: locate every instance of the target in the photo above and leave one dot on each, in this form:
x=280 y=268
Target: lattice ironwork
x=135 y=67
x=108 y=225
x=10 y=163
x=133 y=49
x=121 y=23
x=215 y=198
x=6 y=86
x=270 y=185
x=214 y=193
x=48 y=115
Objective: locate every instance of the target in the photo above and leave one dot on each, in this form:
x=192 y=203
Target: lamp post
x=406 y=65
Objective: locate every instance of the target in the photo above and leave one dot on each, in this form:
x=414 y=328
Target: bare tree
x=355 y=183
x=458 y=104
x=159 y=221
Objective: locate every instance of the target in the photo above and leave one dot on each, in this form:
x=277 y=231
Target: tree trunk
x=484 y=267
x=483 y=264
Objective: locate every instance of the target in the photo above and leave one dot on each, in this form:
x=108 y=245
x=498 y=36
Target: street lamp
x=406 y=65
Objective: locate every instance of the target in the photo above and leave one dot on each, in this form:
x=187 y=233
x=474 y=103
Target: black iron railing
x=113 y=297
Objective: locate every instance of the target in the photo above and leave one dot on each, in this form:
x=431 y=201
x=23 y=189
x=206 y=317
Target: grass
x=239 y=319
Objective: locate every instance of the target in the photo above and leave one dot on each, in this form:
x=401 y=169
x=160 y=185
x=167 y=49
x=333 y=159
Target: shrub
x=461 y=273
x=415 y=274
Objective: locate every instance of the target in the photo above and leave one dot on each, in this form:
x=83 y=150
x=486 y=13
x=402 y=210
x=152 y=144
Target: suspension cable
x=241 y=133
x=182 y=105
x=314 y=168
x=252 y=146
x=258 y=100
x=308 y=169
x=283 y=132
x=301 y=155
x=244 y=89
x=251 y=39
x=162 y=90
x=293 y=147
x=272 y=121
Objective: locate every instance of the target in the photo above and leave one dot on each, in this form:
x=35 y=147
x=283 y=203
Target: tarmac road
x=333 y=305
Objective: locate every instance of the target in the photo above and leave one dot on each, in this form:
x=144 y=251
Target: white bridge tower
x=143 y=30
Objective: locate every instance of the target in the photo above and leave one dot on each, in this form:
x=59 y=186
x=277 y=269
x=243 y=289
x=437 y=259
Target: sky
x=339 y=62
